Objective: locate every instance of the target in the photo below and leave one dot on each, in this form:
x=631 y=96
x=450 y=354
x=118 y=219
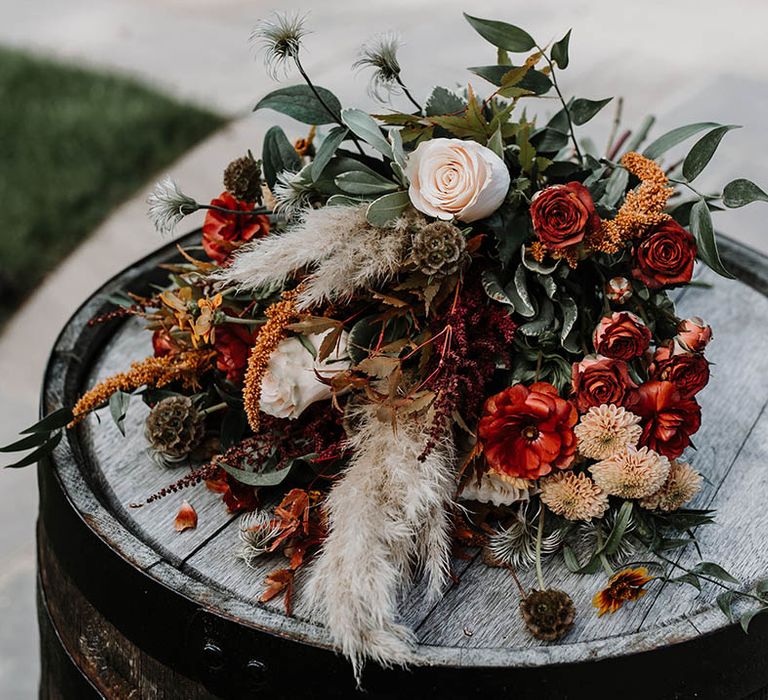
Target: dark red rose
x=668 y=419
x=233 y=345
x=224 y=233
x=665 y=256
x=622 y=336
x=597 y=380
x=689 y=372
x=526 y=431
x=563 y=214
x=162 y=343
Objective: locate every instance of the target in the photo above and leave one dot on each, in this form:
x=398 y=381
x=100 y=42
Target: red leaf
x=186 y=518
x=278 y=581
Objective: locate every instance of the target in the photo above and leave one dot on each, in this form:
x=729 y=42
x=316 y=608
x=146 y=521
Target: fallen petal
x=186 y=518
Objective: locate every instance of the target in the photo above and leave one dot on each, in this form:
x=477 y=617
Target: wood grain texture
x=476 y=623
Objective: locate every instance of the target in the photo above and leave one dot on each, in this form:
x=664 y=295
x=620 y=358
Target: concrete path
x=684 y=60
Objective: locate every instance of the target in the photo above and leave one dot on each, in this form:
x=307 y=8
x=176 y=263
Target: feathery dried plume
x=682 y=484
x=344 y=252
x=604 y=430
x=631 y=473
x=388 y=511
x=168 y=205
x=380 y=54
x=280 y=38
x=574 y=496
x=292 y=192
x=257 y=530
x=515 y=545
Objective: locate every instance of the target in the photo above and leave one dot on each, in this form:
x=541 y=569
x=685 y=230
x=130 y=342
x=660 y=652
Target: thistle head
x=380 y=54
x=280 y=38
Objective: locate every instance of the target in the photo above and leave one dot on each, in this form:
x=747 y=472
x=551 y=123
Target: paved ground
x=685 y=61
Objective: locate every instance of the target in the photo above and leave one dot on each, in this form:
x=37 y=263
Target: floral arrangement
x=449 y=326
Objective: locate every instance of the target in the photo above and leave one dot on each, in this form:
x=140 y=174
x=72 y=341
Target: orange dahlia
x=527 y=431
x=623 y=587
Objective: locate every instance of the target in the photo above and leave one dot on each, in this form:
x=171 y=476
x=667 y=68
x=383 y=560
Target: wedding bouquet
x=449 y=326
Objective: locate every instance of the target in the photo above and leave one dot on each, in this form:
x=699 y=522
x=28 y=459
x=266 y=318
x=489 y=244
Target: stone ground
x=691 y=60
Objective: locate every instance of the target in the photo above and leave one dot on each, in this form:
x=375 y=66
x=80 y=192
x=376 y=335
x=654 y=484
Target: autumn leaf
x=380 y=366
x=186 y=518
x=279 y=581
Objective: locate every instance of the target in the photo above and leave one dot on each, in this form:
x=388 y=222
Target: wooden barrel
x=129 y=608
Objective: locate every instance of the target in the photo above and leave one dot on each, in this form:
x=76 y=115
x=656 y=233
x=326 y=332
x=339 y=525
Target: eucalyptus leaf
x=504 y=36
x=690 y=579
x=559 y=52
x=398 y=154
x=583 y=110
x=670 y=139
x=725 y=603
x=118 y=409
x=270 y=478
x=708 y=568
x=364 y=125
x=36 y=455
x=363 y=183
x=703 y=150
x=343 y=200
x=277 y=155
x=746 y=619
x=301 y=103
x=615 y=187
x=327 y=150
x=703 y=230
x=387 y=208
x=26 y=443
x=53 y=421
x=741 y=192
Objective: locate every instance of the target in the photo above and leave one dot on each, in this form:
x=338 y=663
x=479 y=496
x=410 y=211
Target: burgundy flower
x=689 y=372
x=669 y=420
x=597 y=380
x=665 y=256
x=622 y=336
x=233 y=345
x=563 y=214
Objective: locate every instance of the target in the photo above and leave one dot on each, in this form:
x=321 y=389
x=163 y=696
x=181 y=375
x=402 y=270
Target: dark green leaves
x=559 y=51
x=703 y=230
x=53 y=421
x=741 y=192
x=36 y=455
x=702 y=151
x=443 y=101
x=118 y=409
x=583 y=110
x=301 y=103
x=363 y=125
x=278 y=154
x=264 y=478
x=712 y=570
x=387 y=208
x=531 y=82
x=504 y=36
x=672 y=138
x=327 y=148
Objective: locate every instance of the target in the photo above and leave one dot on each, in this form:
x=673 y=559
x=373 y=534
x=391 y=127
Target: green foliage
x=583 y=110
x=704 y=232
x=739 y=193
x=702 y=152
x=670 y=139
x=363 y=125
x=387 y=208
x=443 y=101
x=504 y=36
x=301 y=103
x=277 y=155
x=559 y=52
x=327 y=150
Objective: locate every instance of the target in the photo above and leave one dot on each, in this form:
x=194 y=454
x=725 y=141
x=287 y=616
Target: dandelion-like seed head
x=280 y=38
x=682 y=484
x=631 y=473
x=168 y=205
x=257 y=530
x=605 y=430
x=574 y=496
x=380 y=54
x=291 y=192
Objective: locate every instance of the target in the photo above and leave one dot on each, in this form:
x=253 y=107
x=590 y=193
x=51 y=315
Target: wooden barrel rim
x=78 y=343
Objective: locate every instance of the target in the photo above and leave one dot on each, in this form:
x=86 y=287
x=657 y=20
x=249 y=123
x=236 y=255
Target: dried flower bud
x=438 y=248
x=174 y=427
x=618 y=289
x=694 y=334
x=548 y=614
x=242 y=179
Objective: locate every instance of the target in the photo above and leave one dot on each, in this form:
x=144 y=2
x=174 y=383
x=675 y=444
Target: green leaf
x=615 y=187
x=703 y=150
x=496 y=143
x=570 y=314
x=364 y=125
x=26 y=443
x=53 y=421
x=672 y=138
x=725 y=603
x=443 y=101
x=118 y=409
x=747 y=617
x=343 y=200
x=741 y=192
x=398 y=154
x=613 y=541
x=278 y=154
x=494 y=289
x=703 y=230
x=363 y=183
x=35 y=456
x=300 y=102
x=708 y=568
x=327 y=150
x=559 y=51
x=640 y=135
x=583 y=110
x=502 y=58
x=504 y=36
x=533 y=81
x=572 y=562
x=249 y=478
x=690 y=579
x=761 y=587
x=387 y=208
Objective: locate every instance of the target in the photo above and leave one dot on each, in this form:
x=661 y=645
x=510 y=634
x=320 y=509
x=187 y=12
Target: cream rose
x=454 y=178
x=290 y=383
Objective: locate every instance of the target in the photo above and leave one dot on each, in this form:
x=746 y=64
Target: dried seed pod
x=548 y=614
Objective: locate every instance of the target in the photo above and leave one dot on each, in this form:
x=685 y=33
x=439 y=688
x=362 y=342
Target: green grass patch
x=74 y=144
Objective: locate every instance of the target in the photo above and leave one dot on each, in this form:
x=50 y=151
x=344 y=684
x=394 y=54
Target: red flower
x=233 y=345
x=563 y=214
x=693 y=334
x=224 y=233
x=668 y=419
x=622 y=336
x=526 y=431
x=689 y=372
x=665 y=257
x=162 y=343
x=597 y=380
x=237 y=497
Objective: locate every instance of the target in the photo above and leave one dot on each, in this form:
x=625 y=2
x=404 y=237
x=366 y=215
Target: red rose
x=224 y=233
x=526 y=431
x=622 y=336
x=665 y=256
x=233 y=345
x=668 y=419
x=563 y=214
x=689 y=372
x=693 y=334
x=597 y=380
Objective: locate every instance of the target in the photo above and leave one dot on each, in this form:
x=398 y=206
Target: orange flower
x=623 y=587
x=204 y=324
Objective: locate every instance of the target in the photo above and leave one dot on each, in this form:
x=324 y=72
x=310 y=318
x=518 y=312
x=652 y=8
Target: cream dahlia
x=682 y=484
x=631 y=472
x=605 y=430
x=574 y=496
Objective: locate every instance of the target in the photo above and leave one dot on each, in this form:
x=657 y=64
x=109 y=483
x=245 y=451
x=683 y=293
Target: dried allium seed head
x=548 y=614
x=242 y=179
x=174 y=427
x=438 y=248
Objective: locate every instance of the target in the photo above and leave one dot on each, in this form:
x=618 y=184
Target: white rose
x=455 y=178
x=290 y=383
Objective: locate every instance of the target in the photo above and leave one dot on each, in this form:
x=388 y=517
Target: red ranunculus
x=526 y=431
x=689 y=372
x=622 y=336
x=597 y=380
x=665 y=256
x=224 y=233
x=233 y=345
x=668 y=419
x=563 y=214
